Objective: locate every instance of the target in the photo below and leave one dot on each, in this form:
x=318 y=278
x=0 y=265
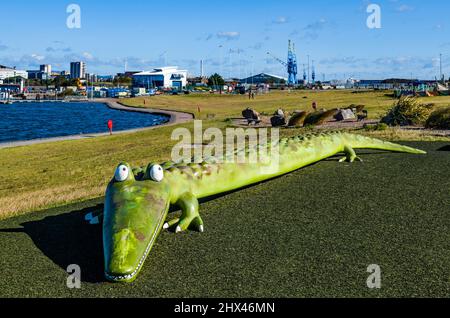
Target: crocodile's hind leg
x=190 y=216
x=350 y=155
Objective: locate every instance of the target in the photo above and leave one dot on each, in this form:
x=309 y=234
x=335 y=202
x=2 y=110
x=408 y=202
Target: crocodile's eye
x=156 y=173
x=121 y=174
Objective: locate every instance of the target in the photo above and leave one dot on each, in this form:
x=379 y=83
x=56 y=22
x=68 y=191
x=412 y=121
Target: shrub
x=377 y=127
x=408 y=111
x=67 y=92
x=439 y=119
x=359 y=108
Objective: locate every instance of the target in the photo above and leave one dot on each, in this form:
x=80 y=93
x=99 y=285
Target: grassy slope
x=47 y=175
x=310 y=233
x=54 y=173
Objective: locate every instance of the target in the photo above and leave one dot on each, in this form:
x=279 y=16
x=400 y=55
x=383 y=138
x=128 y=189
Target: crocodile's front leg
x=190 y=216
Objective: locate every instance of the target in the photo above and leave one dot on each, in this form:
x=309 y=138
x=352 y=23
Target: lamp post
x=220 y=59
x=252 y=69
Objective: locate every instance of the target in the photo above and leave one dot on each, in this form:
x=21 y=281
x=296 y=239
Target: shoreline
x=175 y=118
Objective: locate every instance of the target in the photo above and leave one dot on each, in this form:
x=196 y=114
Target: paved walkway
x=175 y=118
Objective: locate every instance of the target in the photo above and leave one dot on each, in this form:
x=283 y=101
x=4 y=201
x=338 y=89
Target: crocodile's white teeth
x=178 y=229
x=201 y=229
x=166 y=226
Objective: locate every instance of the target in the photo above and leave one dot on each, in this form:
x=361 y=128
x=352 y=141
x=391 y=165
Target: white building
x=6 y=72
x=164 y=77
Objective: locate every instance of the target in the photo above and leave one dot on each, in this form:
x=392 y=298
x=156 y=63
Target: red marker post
x=110 y=126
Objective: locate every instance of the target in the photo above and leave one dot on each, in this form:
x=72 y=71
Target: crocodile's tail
x=358 y=141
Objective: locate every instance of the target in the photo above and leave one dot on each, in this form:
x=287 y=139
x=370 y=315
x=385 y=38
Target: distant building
x=33 y=74
x=372 y=84
x=117 y=92
x=93 y=78
x=198 y=81
x=164 y=77
x=263 y=78
x=7 y=72
x=44 y=72
x=46 y=68
x=78 y=70
x=105 y=78
x=14 y=88
x=389 y=84
x=65 y=74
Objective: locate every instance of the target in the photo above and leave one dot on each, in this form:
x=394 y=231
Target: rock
x=345 y=114
x=251 y=116
x=278 y=121
x=279 y=112
x=297 y=119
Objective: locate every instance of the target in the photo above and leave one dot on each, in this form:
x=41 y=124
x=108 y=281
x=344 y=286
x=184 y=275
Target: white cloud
x=88 y=55
x=38 y=57
x=404 y=8
x=229 y=35
x=280 y=20
x=313 y=29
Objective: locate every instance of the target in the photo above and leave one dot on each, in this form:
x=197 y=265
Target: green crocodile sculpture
x=138 y=200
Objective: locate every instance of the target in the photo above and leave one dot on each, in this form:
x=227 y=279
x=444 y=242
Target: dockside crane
x=291 y=64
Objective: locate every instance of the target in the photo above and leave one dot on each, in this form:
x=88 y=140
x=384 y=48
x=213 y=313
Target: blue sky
x=232 y=37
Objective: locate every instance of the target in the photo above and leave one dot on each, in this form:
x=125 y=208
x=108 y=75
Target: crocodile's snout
x=134 y=215
x=121 y=262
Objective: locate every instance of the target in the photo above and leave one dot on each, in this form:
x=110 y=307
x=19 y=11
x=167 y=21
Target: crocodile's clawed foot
x=183 y=224
x=94 y=218
x=171 y=223
x=351 y=159
x=197 y=223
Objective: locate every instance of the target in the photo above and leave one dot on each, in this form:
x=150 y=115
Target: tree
x=122 y=81
x=67 y=92
x=216 y=80
x=60 y=81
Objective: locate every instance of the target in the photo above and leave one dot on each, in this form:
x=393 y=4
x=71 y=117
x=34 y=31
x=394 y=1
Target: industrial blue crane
x=291 y=64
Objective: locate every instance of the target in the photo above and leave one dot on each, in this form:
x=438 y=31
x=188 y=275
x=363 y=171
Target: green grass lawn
x=225 y=106
x=311 y=233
